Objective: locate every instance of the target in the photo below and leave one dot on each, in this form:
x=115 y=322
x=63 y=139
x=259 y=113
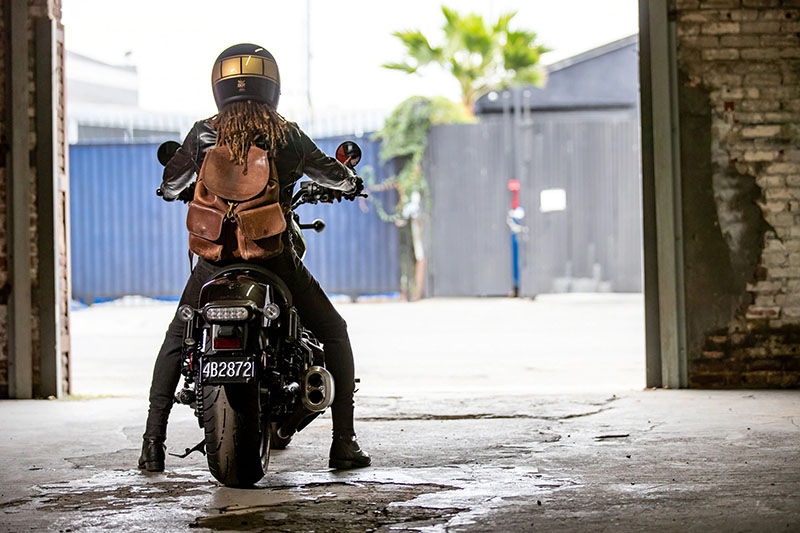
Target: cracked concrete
x=466 y=447
x=480 y=416
x=369 y=506
x=667 y=460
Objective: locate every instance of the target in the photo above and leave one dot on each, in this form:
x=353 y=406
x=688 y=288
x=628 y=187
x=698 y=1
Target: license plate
x=216 y=370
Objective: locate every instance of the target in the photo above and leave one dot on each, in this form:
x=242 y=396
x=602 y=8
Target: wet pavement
x=666 y=460
x=480 y=415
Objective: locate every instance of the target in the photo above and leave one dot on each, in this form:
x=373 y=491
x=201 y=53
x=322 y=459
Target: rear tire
x=237 y=443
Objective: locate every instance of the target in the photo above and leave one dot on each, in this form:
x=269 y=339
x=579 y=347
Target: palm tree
x=479 y=56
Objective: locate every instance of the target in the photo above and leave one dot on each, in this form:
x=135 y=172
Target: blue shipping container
x=126 y=240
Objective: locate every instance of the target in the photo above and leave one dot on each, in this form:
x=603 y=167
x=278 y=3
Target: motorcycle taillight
x=227 y=343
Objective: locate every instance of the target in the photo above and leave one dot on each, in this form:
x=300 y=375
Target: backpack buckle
x=231 y=206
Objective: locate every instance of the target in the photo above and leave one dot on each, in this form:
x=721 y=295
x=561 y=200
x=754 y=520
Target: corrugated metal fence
x=357 y=253
x=125 y=240
x=592 y=245
x=595 y=244
x=467 y=166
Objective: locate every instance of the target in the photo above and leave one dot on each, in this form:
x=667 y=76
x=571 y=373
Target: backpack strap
x=297 y=173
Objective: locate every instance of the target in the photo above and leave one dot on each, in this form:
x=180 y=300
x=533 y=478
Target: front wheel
x=237 y=439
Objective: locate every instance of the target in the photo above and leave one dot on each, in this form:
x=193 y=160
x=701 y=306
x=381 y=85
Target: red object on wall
x=513 y=186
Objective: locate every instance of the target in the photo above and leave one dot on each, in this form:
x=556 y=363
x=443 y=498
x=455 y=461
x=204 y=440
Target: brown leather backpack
x=236 y=214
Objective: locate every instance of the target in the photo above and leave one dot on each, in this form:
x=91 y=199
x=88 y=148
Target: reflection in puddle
x=399 y=499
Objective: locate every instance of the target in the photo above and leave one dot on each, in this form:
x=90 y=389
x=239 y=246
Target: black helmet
x=245 y=72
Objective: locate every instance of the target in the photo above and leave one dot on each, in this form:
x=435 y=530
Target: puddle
x=111 y=500
x=360 y=500
x=335 y=507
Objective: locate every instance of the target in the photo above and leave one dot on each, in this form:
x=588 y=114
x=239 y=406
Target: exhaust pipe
x=318 y=389
x=317 y=395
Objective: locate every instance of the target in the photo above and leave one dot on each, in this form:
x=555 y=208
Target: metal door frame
x=665 y=308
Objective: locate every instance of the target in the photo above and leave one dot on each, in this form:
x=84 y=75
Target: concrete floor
x=556 y=343
x=479 y=449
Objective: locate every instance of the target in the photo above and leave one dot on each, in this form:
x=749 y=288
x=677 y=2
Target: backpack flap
x=204 y=221
x=227 y=180
x=261 y=222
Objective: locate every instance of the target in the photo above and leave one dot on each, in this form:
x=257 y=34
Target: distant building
x=605 y=79
x=103 y=105
x=571 y=151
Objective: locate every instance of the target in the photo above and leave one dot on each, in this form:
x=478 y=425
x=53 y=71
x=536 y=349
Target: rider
x=246 y=87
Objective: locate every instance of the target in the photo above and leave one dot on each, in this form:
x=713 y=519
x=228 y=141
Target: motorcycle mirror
x=166 y=151
x=349 y=154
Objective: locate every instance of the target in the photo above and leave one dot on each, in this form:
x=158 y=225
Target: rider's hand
x=187 y=194
x=359 y=186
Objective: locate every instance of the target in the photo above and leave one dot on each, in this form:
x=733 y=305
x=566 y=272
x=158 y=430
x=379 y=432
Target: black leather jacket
x=300 y=156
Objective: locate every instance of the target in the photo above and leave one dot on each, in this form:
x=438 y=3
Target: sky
x=174 y=44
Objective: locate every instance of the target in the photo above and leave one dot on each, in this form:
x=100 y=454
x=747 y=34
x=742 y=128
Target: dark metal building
x=601 y=79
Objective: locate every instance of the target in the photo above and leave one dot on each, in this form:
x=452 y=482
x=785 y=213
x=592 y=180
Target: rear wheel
x=237 y=440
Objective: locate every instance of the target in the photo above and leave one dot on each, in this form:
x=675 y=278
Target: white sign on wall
x=551 y=200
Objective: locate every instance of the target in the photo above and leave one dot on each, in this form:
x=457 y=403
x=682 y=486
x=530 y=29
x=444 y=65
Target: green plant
x=480 y=56
x=404 y=137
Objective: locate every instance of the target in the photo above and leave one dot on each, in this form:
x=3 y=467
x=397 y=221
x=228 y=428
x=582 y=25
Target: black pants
x=316 y=313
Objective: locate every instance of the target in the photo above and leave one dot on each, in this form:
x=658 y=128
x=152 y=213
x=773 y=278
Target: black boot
x=152 y=458
x=346 y=453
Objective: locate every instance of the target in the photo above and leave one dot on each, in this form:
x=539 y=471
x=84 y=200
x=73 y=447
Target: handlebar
x=313 y=193
x=309 y=193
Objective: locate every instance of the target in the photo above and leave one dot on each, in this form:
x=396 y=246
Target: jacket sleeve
x=325 y=170
x=180 y=171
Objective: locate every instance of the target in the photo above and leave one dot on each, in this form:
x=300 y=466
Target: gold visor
x=247 y=65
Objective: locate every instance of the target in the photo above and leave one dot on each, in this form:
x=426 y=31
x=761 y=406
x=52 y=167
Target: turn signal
x=272 y=311
x=185 y=312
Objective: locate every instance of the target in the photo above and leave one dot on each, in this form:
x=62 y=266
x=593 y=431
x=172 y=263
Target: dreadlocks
x=241 y=123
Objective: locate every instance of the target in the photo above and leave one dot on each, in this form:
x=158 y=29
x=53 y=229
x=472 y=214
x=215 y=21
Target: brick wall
x=52 y=10
x=35 y=9
x=62 y=208
x=739 y=100
x=4 y=141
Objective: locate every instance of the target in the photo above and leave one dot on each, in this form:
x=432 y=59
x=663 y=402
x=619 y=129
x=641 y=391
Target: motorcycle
x=253 y=374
